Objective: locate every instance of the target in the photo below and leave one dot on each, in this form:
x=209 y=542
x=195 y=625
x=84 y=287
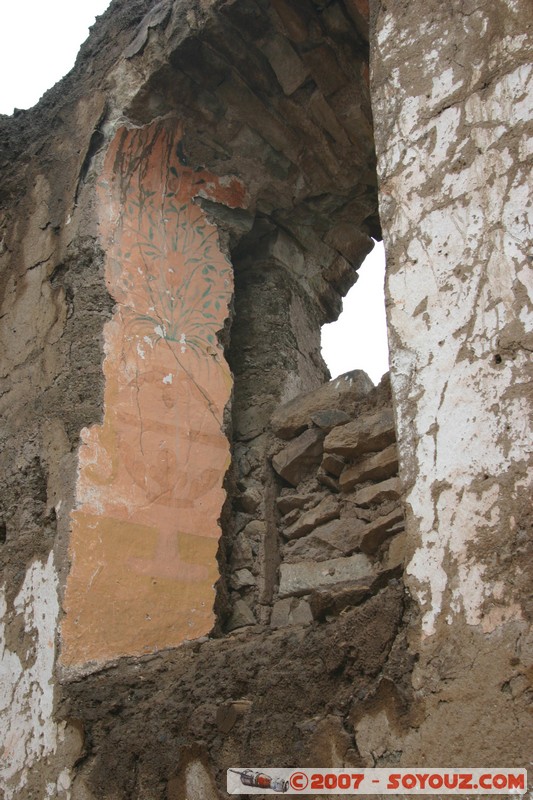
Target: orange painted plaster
x=149 y=490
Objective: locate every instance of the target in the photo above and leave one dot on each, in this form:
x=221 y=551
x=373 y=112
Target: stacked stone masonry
x=333 y=532
x=335 y=508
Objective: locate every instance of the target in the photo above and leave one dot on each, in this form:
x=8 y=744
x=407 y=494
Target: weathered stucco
x=149 y=493
x=31 y=737
x=453 y=92
x=204 y=558
x=27 y=688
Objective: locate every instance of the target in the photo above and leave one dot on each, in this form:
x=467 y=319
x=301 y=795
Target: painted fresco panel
x=149 y=492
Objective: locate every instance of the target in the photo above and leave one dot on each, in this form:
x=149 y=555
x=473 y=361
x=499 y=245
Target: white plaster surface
x=28 y=732
x=455 y=198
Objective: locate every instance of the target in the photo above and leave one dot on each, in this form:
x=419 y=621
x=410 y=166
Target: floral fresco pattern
x=149 y=492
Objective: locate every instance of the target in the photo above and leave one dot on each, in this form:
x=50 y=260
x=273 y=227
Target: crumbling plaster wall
x=452 y=88
x=310 y=184
x=276 y=95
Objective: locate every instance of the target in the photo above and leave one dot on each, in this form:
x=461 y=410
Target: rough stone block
x=344 y=534
x=332 y=540
x=242 y=615
x=290 y=71
x=291 y=517
x=325 y=69
x=326 y=510
x=398 y=552
x=359 y=12
x=366 y=514
x=335 y=20
x=378 y=493
x=340 y=274
x=285 y=250
x=350 y=241
x=329 y=418
x=301 y=578
x=333 y=464
x=335 y=600
x=300 y=456
x=242 y=578
x=326 y=480
x=241 y=520
x=251 y=422
x=340 y=393
x=377 y=466
x=327 y=120
x=366 y=434
x=349 y=108
x=309 y=548
x=250 y=500
x=380 y=529
x=255 y=529
x=291 y=611
x=295 y=22
x=241 y=553
x=288 y=502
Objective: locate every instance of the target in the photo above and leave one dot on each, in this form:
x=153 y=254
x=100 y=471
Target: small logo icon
x=260 y=780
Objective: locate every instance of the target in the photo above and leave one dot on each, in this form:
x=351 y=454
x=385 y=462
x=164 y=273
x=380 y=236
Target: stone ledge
x=377 y=466
x=332 y=601
x=303 y=577
x=297 y=459
x=325 y=511
x=342 y=393
x=378 y=493
x=366 y=434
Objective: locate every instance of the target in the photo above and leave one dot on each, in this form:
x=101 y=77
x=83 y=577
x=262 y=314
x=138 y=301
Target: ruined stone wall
x=201 y=541
x=317 y=541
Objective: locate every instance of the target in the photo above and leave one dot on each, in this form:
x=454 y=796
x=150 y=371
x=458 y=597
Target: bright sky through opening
x=40 y=41
x=358 y=340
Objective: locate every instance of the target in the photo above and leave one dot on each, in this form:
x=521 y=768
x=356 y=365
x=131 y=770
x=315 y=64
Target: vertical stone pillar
x=452 y=93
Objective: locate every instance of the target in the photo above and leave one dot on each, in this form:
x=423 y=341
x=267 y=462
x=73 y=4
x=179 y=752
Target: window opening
x=358 y=339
